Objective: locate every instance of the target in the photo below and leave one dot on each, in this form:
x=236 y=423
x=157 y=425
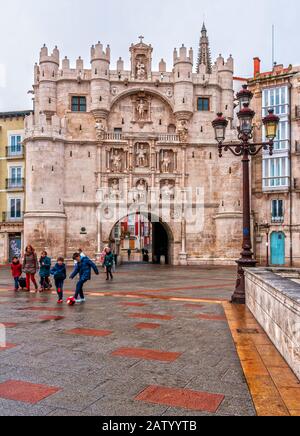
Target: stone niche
x=141 y=61
x=116 y=160
x=142 y=155
x=273 y=297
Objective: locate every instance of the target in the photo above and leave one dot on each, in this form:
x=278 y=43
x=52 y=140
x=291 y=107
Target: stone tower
x=204 y=55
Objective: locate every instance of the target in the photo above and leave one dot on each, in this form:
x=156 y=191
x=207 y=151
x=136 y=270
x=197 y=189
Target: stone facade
x=139 y=128
x=276 y=180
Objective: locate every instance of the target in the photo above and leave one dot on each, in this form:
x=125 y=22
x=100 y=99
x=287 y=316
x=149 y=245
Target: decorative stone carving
x=141 y=109
x=114 y=90
x=116 y=160
x=141 y=191
x=100 y=129
x=169 y=92
x=114 y=189
x=182 y=130
x=141 y=73
x=166 y=162
x=142 y=155
x=167 y=189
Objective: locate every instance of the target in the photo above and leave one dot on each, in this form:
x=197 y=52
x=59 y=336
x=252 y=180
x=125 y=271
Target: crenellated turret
x=183 y=81
x=47 y=76
x=100 y=85
x=225 y=71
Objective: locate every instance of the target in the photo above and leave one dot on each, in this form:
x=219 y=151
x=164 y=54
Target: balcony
x=15 y=184
x=168 y=138
x=8 y=217
x=113 y=136
x=15 y=152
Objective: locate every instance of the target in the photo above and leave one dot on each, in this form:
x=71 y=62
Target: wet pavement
x=156 y=341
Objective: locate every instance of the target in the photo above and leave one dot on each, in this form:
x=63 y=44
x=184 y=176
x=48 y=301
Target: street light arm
x=252 y=148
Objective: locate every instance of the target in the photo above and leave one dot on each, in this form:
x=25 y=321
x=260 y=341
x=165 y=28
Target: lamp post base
x=239 y=296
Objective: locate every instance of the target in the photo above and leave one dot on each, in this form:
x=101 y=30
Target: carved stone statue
x=100 y=129
x=141 y=156
x=114 y=192
x=182 y=130
x=116 y=160
x=140 y=70
x=141 y=191
x=166 y=163
x=141 y=109
x=167 y=190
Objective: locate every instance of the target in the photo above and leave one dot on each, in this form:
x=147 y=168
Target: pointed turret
x=204 y=56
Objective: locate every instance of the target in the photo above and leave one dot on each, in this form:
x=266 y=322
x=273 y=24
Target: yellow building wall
x=10 y=123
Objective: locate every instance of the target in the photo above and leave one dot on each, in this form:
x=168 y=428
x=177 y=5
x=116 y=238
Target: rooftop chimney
x=257 y=62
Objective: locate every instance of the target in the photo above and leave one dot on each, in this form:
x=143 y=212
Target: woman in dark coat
x=30 y=267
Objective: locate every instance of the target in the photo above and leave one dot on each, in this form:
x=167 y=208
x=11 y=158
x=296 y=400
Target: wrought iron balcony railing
x=15 y=152
x=10 y=217
x=15 y=184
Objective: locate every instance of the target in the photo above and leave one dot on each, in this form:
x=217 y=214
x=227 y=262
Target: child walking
x=84 y=268
x=59 y=272
x=16 y=271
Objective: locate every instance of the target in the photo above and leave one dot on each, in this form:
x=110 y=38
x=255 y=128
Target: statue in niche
x=182 y=130
x=141 y=191
x=140 y=70
x=141 y=156
x=116 y=160
x=114 y=191
x=141 y=109
x=166 y=163
x=167 y=190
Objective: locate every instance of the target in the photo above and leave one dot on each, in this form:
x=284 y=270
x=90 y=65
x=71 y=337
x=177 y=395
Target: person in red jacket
x=16 y=271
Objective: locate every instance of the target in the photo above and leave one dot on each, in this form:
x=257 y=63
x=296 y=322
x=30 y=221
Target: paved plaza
x=156 y=341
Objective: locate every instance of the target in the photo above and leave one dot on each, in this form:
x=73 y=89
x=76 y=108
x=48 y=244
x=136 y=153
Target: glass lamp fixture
x=244 y=96
x=271 y=123
x=220 y=124
x=245 y=117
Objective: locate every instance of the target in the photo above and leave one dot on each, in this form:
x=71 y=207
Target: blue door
x=278 y=248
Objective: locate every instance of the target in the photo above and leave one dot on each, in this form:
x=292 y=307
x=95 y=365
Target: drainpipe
x=291 y=179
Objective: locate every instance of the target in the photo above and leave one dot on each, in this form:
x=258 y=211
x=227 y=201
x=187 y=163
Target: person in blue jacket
x=84 y=268
x=60 y=274
x=45 y=266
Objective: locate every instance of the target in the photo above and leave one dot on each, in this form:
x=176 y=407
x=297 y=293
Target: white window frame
x=10 y=135
x=278 y=219
x=10 y=198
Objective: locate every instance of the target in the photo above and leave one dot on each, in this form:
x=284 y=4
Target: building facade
x=12 y=184
x=276 y=179
x=138 y=132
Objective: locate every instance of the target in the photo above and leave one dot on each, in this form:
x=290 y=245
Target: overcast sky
x=243 y=28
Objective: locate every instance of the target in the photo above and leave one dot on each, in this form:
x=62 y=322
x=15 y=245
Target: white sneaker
x=83 y=300
x=79 y=301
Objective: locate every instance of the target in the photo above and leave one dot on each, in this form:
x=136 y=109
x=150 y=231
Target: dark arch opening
x=139 y=238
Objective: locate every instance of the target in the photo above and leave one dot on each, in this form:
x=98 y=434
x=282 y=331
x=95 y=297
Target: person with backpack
x=84 y=268
x=108 y=263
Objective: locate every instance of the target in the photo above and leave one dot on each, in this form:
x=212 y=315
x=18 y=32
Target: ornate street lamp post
x=245 y=148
